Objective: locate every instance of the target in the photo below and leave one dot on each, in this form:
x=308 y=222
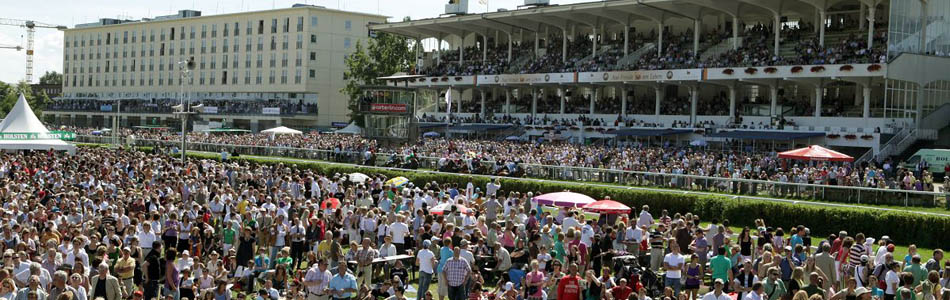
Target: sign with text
x=526 y=78
x=271 y=111
x=105 y=107
x=388 y=107
x=52 y=135
x=210 y=109
x=647 y=75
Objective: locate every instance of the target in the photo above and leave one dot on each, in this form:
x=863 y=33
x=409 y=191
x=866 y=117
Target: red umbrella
x=607 y=207
x=441 y=209
x=816 y=153
x=333 y=203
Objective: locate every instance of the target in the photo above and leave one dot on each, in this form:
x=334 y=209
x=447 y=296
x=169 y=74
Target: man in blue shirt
x=445 y=254
x=343 y=284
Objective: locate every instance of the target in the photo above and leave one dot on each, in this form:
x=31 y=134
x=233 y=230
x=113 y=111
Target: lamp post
x=184 y=69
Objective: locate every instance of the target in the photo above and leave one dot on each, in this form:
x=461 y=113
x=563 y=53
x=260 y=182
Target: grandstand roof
x=590 y=14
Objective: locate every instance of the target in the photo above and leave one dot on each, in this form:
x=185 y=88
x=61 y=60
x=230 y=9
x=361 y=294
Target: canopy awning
x=765 y=135
x=282 y=130
x=568 y=199
x=816 y=153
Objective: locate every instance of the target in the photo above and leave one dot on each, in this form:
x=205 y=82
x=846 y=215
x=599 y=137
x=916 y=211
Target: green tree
x=12 y=92
x=385 y=55
x=52 y=77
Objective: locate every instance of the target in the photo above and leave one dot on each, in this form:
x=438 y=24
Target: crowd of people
x=166 y=106
x=628 y=156
x=757 y=50
x=116 y=224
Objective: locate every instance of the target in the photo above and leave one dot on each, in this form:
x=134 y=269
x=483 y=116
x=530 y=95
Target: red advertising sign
x=385 y=107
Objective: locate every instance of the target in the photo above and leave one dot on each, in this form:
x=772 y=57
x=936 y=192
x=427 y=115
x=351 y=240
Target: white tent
x=350 y=129
x=282 y=130
x=22 y=121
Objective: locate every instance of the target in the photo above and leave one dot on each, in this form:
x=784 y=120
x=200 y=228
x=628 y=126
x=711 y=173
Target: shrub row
x=932 y=231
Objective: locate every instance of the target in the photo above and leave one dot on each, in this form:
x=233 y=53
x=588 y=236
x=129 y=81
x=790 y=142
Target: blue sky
x=49 y=42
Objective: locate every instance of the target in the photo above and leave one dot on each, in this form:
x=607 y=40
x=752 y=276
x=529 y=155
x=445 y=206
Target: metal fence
x=734 y=186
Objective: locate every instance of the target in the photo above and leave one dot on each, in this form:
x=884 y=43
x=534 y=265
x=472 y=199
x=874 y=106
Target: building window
x=346 y=43
x=313 y=73
x=273 y=27
x=347 y=25
x=313 y=38
x=313 y=56
x=299 y=24
x=313 y=21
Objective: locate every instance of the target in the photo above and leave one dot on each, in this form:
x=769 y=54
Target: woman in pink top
x=534 y=282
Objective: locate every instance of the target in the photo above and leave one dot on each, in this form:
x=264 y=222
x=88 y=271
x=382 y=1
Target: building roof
x=590 y=14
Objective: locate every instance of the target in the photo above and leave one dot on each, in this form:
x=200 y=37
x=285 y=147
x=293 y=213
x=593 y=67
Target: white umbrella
x=357 y=177
x=282 y=130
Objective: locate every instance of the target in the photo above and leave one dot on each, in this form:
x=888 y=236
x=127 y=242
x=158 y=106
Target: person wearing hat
x=426 y=261
x=717 y=293
x=125 y=270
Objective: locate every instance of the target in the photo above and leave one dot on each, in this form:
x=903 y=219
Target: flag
x=483 y=2
x=448 y=101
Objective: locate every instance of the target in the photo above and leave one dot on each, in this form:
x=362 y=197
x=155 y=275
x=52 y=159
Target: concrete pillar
x=773 y=94
x=534 y=102
x=255 y=125
x=509 y=47
x=861 y=13
x=821 y=27
x=484 y=47
x=626 y=39
x=623 y=102
x=660 y=94
x=693 y=103
x=458 y=101
x=735 y=33
x=866 y=94
x=732 y=102
x=659 y=40
x=438 y=51
x=482 y=113
x=696 y=38
x=278 y=122
x=507 y=101
x=918 y=116
x=564 y=45
x=462 y=48
x=924 y=16
x=563 y=94
x=778 y=30
x=819 y=94
x=870 y=26
x=593 y=31
x=593 y=100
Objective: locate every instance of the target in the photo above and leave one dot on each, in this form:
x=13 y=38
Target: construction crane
x=30 y=30
x=14 y=47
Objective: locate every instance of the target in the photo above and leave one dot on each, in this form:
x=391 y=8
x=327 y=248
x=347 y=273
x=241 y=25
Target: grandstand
x=865 y=77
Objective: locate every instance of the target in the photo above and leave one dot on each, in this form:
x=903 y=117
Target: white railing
x=635 y=55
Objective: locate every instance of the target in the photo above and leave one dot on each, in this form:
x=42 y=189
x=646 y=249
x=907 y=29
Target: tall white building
x=253 y=70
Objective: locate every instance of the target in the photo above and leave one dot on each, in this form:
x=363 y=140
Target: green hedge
x=929 y=231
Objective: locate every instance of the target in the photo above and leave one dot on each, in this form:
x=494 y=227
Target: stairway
x=634 y=56
x=720 y=48
x=590 y=57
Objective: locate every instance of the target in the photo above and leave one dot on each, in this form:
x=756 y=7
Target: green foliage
x=52 y=77
x=384 y=55
x=904 y=227
x=11 y=93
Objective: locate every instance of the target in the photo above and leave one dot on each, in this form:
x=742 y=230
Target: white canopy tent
x=350 y=129
x=282 y=130
x=22 y=122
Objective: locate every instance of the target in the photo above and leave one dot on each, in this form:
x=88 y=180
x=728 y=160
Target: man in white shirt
x=399 y=230
x=569 y=222
x=492 y=187
x=645 y=219
x=632 y=238
x=426 y=261
x=673 y=264
x=466 y=254
x=757 y=291
x=146 y=238
x=717 y=293
x=587 y=233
